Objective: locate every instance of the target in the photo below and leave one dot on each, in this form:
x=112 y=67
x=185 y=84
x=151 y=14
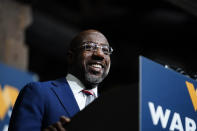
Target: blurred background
x=163 y=30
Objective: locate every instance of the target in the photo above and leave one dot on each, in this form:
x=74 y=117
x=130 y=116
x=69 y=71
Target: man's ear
x=70 y=57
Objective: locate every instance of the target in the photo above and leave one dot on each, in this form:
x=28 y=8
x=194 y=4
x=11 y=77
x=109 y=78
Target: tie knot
x=87 y=92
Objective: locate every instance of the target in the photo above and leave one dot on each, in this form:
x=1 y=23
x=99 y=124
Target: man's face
x=94 y=65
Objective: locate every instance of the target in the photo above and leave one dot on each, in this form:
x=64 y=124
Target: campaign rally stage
x=168 y=100
x=164 y=100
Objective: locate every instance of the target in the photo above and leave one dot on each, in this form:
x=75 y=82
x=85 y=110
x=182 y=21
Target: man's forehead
x=96 y=37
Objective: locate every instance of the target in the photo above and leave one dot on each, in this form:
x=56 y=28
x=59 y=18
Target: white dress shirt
x=77 y=87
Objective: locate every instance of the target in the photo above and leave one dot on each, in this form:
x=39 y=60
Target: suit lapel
x=63 y=92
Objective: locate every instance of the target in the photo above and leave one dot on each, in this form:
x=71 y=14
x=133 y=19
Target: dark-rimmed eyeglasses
x=92 y=46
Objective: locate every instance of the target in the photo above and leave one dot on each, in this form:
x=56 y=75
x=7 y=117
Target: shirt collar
x=76 y=85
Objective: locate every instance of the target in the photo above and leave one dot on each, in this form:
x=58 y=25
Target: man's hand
x=59 y=125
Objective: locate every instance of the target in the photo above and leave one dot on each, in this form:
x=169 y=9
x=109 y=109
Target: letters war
x=175 y=124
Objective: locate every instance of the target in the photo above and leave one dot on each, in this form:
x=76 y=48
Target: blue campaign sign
x=11 y=82
x=168 y=100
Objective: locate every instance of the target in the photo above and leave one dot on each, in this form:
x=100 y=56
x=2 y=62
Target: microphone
x=182 y=71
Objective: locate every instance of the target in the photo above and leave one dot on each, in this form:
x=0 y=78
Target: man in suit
x=50 y=105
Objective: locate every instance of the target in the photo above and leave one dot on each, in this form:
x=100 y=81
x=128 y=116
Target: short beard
x=93 y=79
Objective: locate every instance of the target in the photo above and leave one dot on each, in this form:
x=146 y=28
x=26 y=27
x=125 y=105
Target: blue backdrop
x=11 y=82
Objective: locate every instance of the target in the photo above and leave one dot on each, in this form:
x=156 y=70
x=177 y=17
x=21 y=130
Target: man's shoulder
x=42 y=85
x=39 y=84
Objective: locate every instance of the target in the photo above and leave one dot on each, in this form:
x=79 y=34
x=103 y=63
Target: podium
x=163 y=100
x=114 y=110
x=167 y=99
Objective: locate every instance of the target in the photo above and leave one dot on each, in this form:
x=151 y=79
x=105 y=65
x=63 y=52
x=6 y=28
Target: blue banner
x=168 y=100
x=11 y=82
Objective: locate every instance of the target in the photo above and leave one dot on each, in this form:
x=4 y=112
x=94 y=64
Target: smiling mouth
x=96 y=68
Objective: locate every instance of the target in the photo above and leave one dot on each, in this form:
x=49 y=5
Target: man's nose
x=99 y=54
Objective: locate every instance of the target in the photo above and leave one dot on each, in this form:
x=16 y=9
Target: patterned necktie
x=90 y=96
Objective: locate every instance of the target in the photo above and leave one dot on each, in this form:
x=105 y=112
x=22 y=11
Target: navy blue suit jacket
x=41 y=104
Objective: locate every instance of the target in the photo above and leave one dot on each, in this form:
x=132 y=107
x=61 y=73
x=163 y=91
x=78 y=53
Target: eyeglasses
x=91 y=46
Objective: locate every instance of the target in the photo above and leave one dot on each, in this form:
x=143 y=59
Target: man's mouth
x=96 y=68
